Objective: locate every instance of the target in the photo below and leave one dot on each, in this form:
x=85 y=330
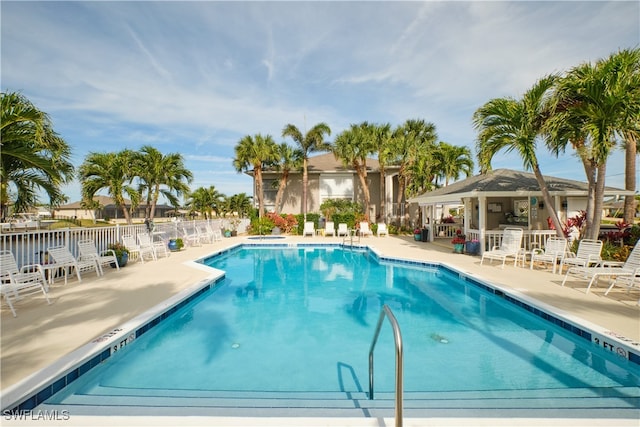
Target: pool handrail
x=397 y=336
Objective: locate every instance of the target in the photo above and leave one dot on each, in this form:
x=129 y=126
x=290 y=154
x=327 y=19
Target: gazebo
x=504 y=198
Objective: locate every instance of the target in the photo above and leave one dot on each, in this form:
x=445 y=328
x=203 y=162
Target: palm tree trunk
x=281 y=188
x=383 y=195
x=547 y=200
x=259 y=194
x=305 y=183
x=630 y=177
x=591 y=171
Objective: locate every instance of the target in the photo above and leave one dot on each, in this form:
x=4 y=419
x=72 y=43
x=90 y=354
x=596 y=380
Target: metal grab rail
x=386 y=311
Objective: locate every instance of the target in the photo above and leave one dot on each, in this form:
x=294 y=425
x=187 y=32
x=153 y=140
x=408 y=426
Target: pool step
x=618 y=402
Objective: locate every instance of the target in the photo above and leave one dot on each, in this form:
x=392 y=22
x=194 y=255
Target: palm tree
x=412 y=143
x=204 y=200
x=114 y=173
x=353 y=146
x=453 y=161
x=594 y=105
x=383 y=140
x=288 y=159
x=161 y=174
x=240 y=203
x=312 y=141
x=255 y=152
x=506 y=123
x=32 y=156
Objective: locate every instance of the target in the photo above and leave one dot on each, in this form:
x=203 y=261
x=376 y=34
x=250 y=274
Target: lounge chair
x=88 y=251
x=588 y=254
x=64 y=260
x=627 y=281
x=382 y=229
x=191 y=238
x=554 y=250
x=329 y=229
x=158 y=246
x=629 y=269
x=136 y=250
x=16 y=283
x=343 y=231
x=365 y=230
x=309 y=229
x=509 y=247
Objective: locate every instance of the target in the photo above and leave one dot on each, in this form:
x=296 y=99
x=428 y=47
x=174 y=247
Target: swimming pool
x=299 y=320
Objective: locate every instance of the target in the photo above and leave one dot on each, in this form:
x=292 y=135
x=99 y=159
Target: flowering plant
x=416 y=231
x=459 y=239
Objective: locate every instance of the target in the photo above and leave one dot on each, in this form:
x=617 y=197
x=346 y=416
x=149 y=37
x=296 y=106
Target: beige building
x=330 y=179
x=107 y=210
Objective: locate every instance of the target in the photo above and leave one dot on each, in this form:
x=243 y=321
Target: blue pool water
x=302 y=319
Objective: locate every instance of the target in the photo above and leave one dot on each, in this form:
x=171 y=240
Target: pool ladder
x=386 y=312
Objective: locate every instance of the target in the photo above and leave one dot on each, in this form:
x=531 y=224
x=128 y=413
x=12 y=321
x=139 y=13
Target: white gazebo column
x=388 y=197
x=482 y=221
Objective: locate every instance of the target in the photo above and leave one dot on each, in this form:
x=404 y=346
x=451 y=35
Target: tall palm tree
x=114 y=173
x=353 y=146
x=310 y=142
x=288 y=159
x=383 y=140
x=593 y=106
x=32 y=155
x=412 y=144
x=161 y=174
x=255 y=152
x=510 y=124
x=453 y=161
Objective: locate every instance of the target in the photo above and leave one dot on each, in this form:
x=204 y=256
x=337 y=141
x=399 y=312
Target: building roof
x=107 y=201
x=327 y=163
x=505 y=183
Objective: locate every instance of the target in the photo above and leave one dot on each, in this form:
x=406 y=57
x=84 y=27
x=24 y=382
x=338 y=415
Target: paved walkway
x=82 y=311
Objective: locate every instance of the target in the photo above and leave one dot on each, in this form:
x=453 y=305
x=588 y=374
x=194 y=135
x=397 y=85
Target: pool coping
x=38 y=387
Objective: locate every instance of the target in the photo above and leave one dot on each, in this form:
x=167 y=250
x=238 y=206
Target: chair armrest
x=108 y=252
x=536 y=251
x=32 y=268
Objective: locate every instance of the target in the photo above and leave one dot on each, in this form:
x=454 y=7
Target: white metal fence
x=30 y=247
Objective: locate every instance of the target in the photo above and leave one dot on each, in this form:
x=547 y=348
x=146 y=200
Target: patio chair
x=309 y=229
x=158 y=246
x=203 y=234
x=587 y=255
x=89 y=251
x=329 y=229
x=135 y=249
x=509 y=247
x=17 y=283
x=343 y=231
x=627 y=281
x=629 y=269
x=382 y=229
x=63 y=260
x=191 y=238
x=365 y=230
x=554 y=250
x=215 y=234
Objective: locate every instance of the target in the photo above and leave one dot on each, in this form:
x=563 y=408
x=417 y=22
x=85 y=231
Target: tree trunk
x=591 y=170
x=383 y=195
x=305 y=182
x=280 y=193
x=548 y=201
x=258 y=173
x=630 y=178
x=362 y=174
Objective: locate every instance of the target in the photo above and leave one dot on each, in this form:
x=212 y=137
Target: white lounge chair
x=135 y=249
x=309 y=229
x=627 y=281
x=382 y=229
x=509 y=247
x=554 y=250
x=343 y=231
x=16 y=283
x=89 y=251
x=365 y=230
x=629 y=269
x=191 y=238
x=588 y=254
x=64 y=260
x=329 y=229
x=146 y=240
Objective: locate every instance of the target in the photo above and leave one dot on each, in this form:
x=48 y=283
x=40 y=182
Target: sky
x=196 y=77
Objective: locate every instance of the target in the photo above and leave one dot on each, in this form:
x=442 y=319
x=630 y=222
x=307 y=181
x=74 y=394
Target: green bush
x=314 y=217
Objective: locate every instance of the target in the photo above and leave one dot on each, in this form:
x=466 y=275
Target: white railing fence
x=30 y=247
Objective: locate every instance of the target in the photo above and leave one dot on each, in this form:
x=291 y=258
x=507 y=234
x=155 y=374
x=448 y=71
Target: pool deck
x=82 y=311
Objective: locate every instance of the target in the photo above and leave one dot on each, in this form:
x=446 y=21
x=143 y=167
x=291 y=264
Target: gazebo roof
x=508 y=183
